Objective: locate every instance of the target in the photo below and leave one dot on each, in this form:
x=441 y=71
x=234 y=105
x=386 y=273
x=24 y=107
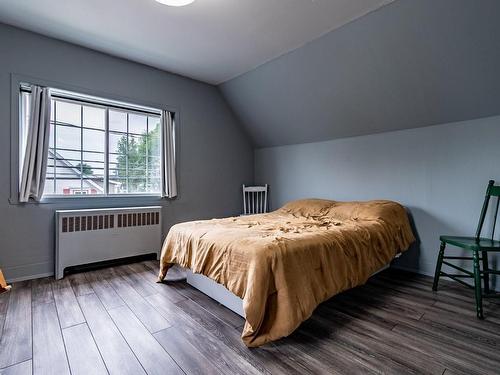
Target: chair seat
x=470 y=243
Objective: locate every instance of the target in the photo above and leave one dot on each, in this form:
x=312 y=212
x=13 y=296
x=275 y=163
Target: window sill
x=95 y=201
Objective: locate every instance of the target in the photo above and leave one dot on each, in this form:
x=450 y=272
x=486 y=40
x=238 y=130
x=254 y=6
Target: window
x=99 y=147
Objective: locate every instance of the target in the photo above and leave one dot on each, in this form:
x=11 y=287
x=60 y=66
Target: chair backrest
x=254 y=199
x=491 y=191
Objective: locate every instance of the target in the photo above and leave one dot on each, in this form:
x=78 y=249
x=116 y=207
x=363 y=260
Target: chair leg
x=438 y=266
x=486 y=276
x=477 y=285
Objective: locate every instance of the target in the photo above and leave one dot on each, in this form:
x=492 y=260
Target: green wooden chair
x=479 y=246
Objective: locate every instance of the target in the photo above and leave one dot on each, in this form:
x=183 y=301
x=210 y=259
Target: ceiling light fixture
x=175 y=3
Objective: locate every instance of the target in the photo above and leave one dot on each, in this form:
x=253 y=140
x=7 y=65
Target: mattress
x=283 y=264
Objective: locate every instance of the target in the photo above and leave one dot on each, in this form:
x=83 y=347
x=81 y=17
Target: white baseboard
x=28 y=271
x=31 y=277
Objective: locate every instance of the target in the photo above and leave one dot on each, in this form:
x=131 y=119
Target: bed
x=283 y=264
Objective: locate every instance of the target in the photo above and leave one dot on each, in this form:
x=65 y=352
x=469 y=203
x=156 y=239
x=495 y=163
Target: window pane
x=93 y=162
x=153 y=156
x=136 y=185
x=93 y=140
x=67 y=171
x=51 y=135
x=137 y=123
x=113 y=161
x=68 y=137
x=68 y=113
x=50 y=174
x=137 y=164
x=49 y=185
x=67 y=158
x=154 y=143
x=93 y=117
x=93 y=178
x=90 y=169
x=93 y=157
x=93 y=186
x=117 y=185
x=118 y=174
x=153 y=123
x=67 y=177
x=118 y=121
x=118 y=163
x=136 y=143
x=117 y=143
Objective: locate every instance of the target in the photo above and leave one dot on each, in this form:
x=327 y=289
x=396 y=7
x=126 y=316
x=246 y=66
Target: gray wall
x=439 y=173
x=411 y=63
x=215 y=155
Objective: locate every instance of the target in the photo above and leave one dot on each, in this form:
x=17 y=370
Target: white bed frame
x=216 y=291
x=224 y=296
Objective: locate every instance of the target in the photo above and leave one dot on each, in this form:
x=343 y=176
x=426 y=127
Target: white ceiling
x=209 y=40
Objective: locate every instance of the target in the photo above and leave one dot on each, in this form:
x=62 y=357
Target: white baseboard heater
x=97 y=235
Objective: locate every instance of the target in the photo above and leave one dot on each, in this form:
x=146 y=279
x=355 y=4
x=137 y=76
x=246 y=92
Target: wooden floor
x=119 y=321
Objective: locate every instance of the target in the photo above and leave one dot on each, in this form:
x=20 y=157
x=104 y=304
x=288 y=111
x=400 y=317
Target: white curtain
x=169 y=177
x=34 y=164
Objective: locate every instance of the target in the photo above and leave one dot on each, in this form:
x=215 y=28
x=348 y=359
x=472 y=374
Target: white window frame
x=19 y=81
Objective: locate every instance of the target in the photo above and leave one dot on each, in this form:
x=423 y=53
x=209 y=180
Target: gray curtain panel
x=169 y=176
x=34 y=164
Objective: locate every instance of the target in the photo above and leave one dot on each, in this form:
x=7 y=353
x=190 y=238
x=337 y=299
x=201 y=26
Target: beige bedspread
x=285 y=263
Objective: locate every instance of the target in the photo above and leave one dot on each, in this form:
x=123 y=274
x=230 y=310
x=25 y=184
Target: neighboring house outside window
x=74 y=182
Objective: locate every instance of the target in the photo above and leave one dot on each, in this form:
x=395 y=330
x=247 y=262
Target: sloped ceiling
x=209 y=40
x=409 y=64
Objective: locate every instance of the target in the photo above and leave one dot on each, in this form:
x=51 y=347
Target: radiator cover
x=96 y=235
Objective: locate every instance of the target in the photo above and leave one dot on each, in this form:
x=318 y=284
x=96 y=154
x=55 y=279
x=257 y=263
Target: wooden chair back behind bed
x=254 y=199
